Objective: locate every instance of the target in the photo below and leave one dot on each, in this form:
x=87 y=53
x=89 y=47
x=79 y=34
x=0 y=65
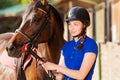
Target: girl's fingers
x=34 y=49
x=37 y=51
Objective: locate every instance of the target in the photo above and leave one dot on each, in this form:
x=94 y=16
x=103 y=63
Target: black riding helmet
x=78 y=13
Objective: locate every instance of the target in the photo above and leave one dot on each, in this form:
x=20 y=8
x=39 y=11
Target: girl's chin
x=75 y=35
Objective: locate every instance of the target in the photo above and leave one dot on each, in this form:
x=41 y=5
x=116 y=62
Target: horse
x=7 y=68
x=42 y=26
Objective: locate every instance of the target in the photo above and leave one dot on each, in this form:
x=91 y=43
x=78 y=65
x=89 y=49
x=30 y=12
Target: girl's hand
x=37 y=51
x=50 y=66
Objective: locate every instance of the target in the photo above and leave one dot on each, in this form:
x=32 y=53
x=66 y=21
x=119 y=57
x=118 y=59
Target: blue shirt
x=74 y=57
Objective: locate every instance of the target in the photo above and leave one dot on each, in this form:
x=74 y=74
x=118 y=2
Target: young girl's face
x=75 y=27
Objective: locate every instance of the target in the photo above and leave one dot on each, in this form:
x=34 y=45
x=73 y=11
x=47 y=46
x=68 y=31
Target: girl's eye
x=68 y=23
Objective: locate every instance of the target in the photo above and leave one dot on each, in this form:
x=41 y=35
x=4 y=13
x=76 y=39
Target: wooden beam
x=89 y=1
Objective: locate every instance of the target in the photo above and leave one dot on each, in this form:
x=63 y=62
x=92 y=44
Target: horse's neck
x=56 y=42
x=54 y=46
x=43 y=48
x=51 y=49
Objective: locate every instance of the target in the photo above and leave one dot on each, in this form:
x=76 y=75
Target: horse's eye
x=36 y=19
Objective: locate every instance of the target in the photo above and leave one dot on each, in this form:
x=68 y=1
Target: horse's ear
x=31 y=0
x=43 y=2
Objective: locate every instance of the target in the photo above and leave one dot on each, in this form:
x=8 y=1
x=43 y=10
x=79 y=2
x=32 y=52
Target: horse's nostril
x=7 y=48
x=10 y=47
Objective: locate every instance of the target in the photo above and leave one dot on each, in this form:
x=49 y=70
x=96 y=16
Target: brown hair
x=80 y=46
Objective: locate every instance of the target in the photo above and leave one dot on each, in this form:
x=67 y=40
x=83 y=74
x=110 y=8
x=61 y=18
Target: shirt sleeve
x=92 y=47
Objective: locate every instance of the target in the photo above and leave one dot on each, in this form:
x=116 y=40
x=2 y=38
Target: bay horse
x=43 y=27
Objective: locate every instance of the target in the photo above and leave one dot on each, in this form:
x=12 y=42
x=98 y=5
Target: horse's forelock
x=27 y=11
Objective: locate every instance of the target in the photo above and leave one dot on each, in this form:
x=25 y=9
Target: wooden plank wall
x=116 y=21
x=90 y=28
x=109 y=48
x=100 y=22
x=110 y=55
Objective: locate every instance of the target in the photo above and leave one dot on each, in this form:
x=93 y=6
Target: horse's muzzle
x=12 y=51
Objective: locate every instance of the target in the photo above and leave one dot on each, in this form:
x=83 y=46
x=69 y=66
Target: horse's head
x=36 y=27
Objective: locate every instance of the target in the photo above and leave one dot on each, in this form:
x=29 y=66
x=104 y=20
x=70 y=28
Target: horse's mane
x=58 y=18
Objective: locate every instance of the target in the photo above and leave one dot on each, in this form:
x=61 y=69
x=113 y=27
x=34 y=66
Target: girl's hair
x=80 y=46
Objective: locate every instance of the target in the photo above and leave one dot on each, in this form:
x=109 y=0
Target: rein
x=29 y=48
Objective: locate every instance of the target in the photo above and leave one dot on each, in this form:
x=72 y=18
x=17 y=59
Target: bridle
x=31 y=41
x=45 y=23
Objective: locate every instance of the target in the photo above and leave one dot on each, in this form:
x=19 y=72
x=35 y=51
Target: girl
x=78 y=56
